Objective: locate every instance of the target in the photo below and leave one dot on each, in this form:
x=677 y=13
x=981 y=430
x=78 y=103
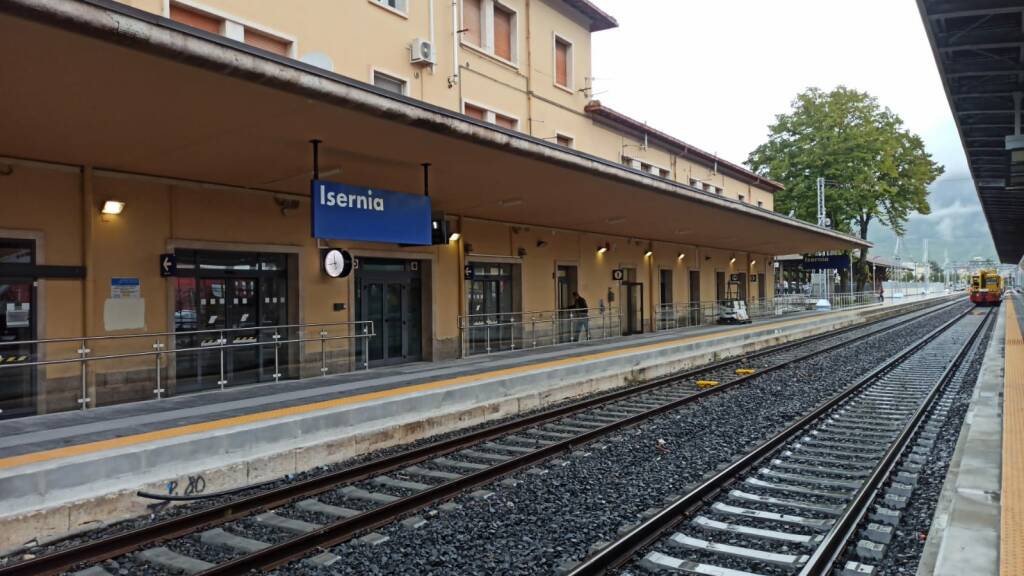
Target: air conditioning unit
x=423 y=52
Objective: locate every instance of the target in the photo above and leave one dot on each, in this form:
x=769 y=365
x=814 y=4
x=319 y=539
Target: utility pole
x=823 y=277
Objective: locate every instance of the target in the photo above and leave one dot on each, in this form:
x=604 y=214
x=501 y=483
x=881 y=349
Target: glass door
x=634 y=304
x=567 y=280
x=389 y=295
x=243 y=360
x=17 y=323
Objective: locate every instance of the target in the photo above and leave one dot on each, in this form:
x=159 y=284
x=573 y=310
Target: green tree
x=936 y=273
x=875 y=170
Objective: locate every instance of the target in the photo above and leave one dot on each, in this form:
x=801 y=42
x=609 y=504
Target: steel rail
x=621 y=551
x=831 y=548
x=118 y=544
x=343 y=530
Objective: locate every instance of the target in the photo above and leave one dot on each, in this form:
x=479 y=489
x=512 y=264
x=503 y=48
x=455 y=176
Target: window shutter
x=471 y=21
x=502 y=33
x=504 y=121
x=195 y=19
x=561 y=63
x=268 y=43
x=476 y=112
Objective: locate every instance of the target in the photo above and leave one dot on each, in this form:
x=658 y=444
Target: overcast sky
x=714 y=73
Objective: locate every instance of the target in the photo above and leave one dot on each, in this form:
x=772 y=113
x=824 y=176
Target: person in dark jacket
x=580 y=310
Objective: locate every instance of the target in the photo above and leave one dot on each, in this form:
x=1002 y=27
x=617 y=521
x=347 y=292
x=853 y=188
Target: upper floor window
x=646 y=167
x=490 y=26
x=563 y=63
x=564 y=140
x=389 y=82
x=218 y=24
x=396 y=5
x=760 y=204
x=491 y=116
x=743 y=198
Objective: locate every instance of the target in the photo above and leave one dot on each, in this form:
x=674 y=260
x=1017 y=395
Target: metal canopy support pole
x=426 y=179
x=1016 y=112
x=316 y=158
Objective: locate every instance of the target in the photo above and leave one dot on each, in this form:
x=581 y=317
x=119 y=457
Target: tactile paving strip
x=1011 y=546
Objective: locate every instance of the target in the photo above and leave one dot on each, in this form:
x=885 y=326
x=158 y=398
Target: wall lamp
x=752 y=262
x=603 y=248
x=113 y=207
x=454 y=237
x=733 y=261
x=648 y=253
x=681 y=256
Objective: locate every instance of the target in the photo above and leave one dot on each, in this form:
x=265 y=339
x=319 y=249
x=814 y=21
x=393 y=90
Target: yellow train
x=986 y=288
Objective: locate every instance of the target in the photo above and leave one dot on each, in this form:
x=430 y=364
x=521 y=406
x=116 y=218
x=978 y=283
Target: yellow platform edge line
x=1011 y=518
x=178 y=431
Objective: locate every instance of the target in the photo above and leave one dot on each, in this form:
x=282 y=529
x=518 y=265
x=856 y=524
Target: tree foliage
x=875 y=169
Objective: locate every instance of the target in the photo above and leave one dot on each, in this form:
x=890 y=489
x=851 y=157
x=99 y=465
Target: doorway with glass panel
x=17 y=325
x=240 y=297
x=389 y=293
x=494 y=320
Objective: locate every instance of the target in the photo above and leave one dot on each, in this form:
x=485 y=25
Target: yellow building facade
x=204 y=146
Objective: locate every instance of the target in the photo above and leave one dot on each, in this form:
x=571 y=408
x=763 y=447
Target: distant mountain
x=956 y=224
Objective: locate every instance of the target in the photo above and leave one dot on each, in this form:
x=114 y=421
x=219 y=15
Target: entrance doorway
x=17 y=324
x=667 y=317
x=633 y=302
x=389 y=293
x=241 y=294
x=695 y=311
x=494 y=309
x=567 y=282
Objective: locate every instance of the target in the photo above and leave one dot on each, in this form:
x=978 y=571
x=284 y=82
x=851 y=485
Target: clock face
x=334 y=263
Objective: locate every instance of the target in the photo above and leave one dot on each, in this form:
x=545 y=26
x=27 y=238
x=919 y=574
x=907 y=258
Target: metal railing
x=221 y=342
x=506 y=331
x=670 y=316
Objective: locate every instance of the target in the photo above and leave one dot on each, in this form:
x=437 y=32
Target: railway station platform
x=67 y=472
x=978 y=526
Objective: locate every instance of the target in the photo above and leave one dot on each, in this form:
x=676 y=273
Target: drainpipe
x=430 y=16
x=529 y=69
x=455 y=45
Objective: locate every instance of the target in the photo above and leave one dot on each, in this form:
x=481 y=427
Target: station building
x=152 y=128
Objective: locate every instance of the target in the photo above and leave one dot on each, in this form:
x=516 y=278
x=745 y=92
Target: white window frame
x=234 y=27
x=487 y=31
x=491 y=114
x=374 y=71
x=403 y=12
x=570 y=63
x=572 y=139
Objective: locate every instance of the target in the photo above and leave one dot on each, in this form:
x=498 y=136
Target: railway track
x=357 y=500
x=833 y=482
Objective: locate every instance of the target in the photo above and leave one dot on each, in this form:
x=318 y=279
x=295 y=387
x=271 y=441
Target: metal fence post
x=222 y=341
x=277 y=361
x=487 y=336
x=323 y=352
x=83 y=353
x=366 y=346
x=158 y=346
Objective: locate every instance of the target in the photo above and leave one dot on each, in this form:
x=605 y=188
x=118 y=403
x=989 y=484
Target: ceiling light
x=454 y=237
x=616 y=220
x=113 y=207
x=510 y=202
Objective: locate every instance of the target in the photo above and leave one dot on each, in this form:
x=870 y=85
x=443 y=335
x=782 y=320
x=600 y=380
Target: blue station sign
x=344 y=212
x=829 y=262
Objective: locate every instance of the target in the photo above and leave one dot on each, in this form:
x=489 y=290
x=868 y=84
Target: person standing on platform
x=582 y=313
x=881 y=294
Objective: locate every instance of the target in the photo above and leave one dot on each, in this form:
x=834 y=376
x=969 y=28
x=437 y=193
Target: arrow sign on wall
x=168 y=265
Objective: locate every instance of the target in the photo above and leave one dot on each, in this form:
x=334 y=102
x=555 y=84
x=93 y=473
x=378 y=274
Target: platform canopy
x=979 y=48
x=94 y=82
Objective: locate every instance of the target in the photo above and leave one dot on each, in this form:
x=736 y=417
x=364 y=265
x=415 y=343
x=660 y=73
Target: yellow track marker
x=744 y=371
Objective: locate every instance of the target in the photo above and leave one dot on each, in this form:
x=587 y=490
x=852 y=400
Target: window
x=760 y=204
x=396 y=5
x=491 y=116
x=503 y=32
x=225 y=26
x=696 y=183
x=563 y=63
x=491 y=27
x=564 y=140
x=196 y=19
x=268 y=43
x=646 y=167
x=389 y=83
x=743 y=198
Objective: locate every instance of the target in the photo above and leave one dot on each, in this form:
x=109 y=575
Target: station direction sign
x=825 y=262
x=345 y=212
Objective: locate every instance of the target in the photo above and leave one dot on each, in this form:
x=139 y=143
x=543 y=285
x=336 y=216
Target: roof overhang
x=979 y=48
x=93 y=82
x=599 y=19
